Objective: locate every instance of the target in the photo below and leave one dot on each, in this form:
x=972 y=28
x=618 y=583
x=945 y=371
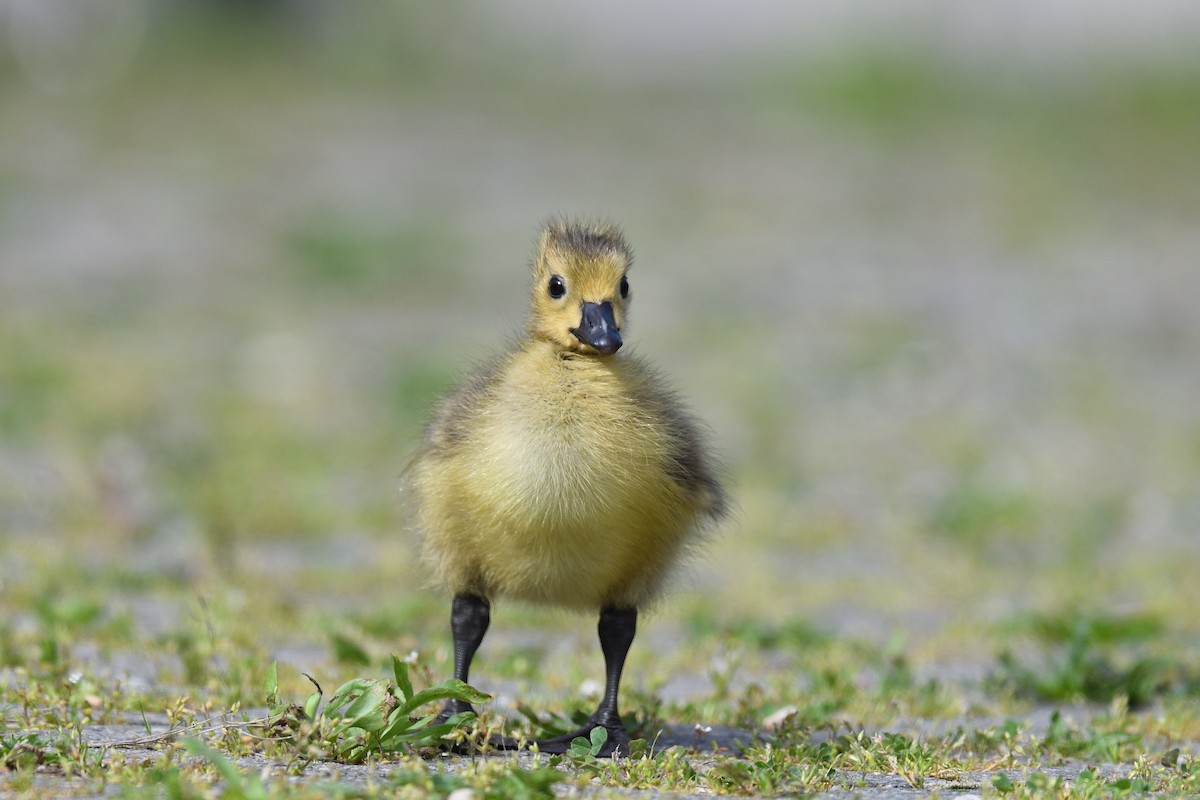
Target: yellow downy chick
x=565 y=474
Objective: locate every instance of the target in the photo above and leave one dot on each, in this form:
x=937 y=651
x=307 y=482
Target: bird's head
x=580 y=288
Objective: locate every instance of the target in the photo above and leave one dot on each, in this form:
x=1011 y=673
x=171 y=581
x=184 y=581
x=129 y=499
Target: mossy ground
x=939 y=317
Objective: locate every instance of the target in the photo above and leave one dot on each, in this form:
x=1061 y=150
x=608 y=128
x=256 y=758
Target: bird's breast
x=569 y=450
x=558 y=486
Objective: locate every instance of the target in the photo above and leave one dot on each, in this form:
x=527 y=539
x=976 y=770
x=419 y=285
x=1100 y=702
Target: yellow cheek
x=555 y=323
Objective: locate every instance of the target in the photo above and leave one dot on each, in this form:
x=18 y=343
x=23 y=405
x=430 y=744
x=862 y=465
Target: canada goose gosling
x=566 y=473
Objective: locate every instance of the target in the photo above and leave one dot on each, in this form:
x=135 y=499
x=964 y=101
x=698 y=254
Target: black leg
x=617 y=628
x=469 y=619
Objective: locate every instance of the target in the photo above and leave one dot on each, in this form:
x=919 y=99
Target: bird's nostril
x=598 y=327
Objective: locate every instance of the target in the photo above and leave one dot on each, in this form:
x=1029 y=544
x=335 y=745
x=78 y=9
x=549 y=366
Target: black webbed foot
x=616 y=744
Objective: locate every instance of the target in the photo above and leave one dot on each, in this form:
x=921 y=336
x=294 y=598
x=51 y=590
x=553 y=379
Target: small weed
x=368 y=717
x=1087 y=785
x=794 y=634
x=1002 y=783
x=66 y=613
x=770 y=770
x=239 y=785
x=1081 y=661
x=546 y=725
x=669 y=769
x=977 y=511
x=516 y=783
x=64 y=753
x=582 y=748
x=347 y=651
x=490 y=781
x=584 y=754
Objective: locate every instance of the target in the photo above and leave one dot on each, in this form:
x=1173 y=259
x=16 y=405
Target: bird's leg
x=617 y=628
x=469 y=619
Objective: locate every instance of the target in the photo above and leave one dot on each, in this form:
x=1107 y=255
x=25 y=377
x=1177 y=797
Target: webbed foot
x=617 y=742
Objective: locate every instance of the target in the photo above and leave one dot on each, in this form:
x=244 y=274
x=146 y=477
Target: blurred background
x=928 y=270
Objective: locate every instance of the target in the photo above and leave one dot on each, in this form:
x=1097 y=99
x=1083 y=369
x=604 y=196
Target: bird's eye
x=558 y=287
x=624 y=286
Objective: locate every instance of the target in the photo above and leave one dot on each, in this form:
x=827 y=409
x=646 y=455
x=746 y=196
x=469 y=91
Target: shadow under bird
x=566 y=473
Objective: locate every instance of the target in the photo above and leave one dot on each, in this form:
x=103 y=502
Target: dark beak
x=598 y=328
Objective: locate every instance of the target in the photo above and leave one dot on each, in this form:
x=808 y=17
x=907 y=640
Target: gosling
x=565 y=474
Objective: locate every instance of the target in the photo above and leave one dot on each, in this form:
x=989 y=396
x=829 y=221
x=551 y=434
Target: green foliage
x=665 y=769
x=368 y=718
x=1086 y=657
x=62 y=752
x=512 y=781
x=517 y=783
x=1111 y=742
x=1088 y=785
x=979 y=513
x=590 y=747
x=794 y=634
x=769 y=771
x=239 y=785
x=68 y=613
x=348 y=651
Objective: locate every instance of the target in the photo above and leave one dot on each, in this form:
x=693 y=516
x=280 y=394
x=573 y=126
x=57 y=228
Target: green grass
x=845 y=689
x=1097 y=659
x=936 y=316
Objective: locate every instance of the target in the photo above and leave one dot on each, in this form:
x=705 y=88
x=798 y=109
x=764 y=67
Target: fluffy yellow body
x=554 y=485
